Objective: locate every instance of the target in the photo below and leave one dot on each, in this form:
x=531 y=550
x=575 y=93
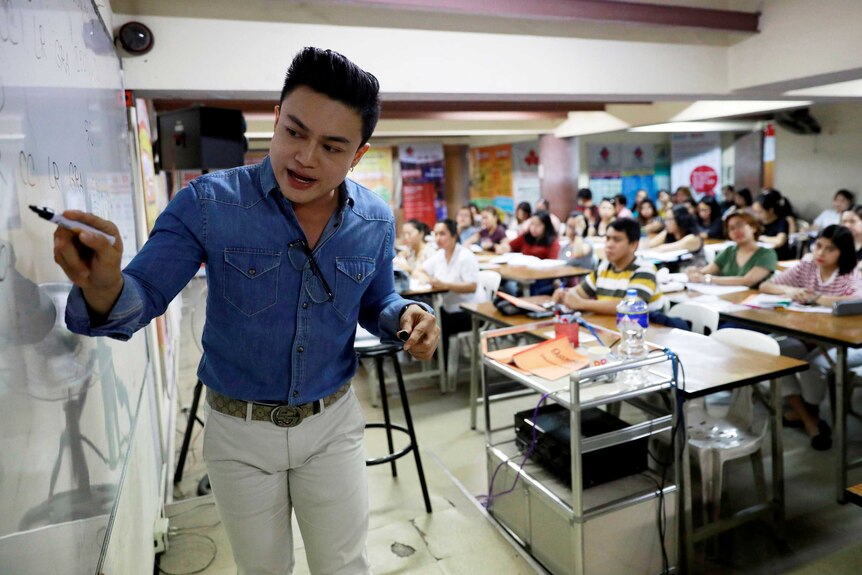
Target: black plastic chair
x=380 y=352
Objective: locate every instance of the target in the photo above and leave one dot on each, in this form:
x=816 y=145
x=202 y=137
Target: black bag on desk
x=553 y=447
x=507 y=308
x=847 y=307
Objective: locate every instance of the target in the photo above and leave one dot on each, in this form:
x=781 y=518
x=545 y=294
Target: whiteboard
x=67 y=403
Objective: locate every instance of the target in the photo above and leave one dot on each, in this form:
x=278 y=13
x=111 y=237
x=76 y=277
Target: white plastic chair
x=490 y=282
x=704 y=320
x=715 y=440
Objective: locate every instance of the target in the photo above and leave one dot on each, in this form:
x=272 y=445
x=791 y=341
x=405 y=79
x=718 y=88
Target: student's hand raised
x=90 y=261
x=423 y=332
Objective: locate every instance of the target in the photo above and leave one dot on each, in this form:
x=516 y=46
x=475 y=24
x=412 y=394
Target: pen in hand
x=63 y=222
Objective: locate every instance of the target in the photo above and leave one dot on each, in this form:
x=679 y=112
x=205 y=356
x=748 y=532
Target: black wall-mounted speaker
x=201 y=138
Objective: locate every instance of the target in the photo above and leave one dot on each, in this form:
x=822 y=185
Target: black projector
x=553 y=445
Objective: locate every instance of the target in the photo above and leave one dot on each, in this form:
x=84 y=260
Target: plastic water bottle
x=632 y=323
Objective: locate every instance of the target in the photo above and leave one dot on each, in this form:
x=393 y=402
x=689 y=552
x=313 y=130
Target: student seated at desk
x=603 y=289
x=540 y=239
x=769 y=208
x=742 y=264
x=453 y=268
x=523 y=213
x=417 y=250
x=578 y=252
x=607 y=214
x=829 y=277
x=852 y=220
x=466 y=227
x=648 y=218
x=680 y=233
x=492 y=231
x=709 y=219
x=842 y=201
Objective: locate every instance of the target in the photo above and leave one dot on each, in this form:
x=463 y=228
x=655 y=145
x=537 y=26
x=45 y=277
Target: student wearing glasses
x=296 y=255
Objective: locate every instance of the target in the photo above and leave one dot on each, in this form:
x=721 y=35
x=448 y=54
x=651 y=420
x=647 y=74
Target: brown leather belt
x=282 y=415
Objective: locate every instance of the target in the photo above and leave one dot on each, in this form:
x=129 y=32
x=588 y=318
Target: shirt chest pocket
x=251 y=279
x=352 y=276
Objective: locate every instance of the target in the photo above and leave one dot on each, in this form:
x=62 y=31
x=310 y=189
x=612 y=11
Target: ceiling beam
x=584 y=10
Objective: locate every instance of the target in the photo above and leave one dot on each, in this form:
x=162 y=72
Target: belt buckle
x=286 y=416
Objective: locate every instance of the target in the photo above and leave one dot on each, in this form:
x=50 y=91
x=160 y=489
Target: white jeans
x=260 y=473
x=812 y=382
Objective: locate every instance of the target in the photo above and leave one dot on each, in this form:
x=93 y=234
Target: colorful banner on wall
x=604 y=163
x=526 y=186
x=637 y=165
x=491 y=177
x=696 y=162
x=375 y=171
x=423 y=183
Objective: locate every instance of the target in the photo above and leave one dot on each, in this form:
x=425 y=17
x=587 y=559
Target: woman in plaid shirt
x=828 y=277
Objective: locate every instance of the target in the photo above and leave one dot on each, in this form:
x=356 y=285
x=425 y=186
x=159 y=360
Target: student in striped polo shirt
x=829 y=276
x=603 y=289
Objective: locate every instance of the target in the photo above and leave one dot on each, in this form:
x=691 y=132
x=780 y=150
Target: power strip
x=160 y=535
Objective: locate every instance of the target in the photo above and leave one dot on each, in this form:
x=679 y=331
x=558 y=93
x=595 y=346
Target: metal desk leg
x=474 y=372
x=841 y=421
x=437 y=304
x=685 y=546
x=777 y=457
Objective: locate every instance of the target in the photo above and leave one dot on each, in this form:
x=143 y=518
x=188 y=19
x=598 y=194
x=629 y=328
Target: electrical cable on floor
x=488 y=500
x=189 y=510
x=202 y=569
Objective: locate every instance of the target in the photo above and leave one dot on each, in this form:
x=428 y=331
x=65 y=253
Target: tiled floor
x=822 y=537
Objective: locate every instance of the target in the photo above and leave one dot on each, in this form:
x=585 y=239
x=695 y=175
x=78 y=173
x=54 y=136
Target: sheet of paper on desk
x=489 y=266
x=546 y=264
x=719 y=304
x=551 y=360
x=416 y=285
x=710 y=289
x=767 y=301
x=670 y=256
x=809 y=308
x=583 y=335
x=475 y=248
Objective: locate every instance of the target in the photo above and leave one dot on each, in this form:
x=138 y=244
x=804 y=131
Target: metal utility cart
x=609 y=529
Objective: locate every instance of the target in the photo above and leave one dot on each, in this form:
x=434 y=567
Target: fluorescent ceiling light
x=699 y=127
x=851 y=89
x=709 y=109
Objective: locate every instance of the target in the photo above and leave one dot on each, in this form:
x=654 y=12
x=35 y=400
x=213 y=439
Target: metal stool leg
x=378 y=361
x=409 y=418
x=187 y=436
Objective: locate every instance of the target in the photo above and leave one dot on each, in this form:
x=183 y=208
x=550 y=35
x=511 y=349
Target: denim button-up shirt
x=265 y=338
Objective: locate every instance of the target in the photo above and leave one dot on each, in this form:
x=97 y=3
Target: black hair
x=549 y=235
x=577 y=214
x=493 y=211
x=773 y=200
x=654 y=210
x=685 y=222
x=847 y=195
x=420 y=225
x=745 y=194
x=543 y=202
x=629 y=227
x=728 y=188
x=526 y=208
x=585 y=194
x=452 y=227
x=333 y=75
x=620 y=200
x=714 y=208
x=843 y=240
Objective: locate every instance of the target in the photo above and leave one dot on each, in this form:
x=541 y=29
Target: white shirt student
x=454 y=268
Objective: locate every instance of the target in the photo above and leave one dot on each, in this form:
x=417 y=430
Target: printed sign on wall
x=374 y=172
x=423 y=182
x=696 y=162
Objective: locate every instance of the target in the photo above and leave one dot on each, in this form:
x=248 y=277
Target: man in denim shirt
x=295 y=256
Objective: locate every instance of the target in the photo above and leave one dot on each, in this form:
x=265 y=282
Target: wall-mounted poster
x=374 y=172
x=769 y=156
x=491 y=177
x=423 y=182
x=696 y=162
x=525 y=177
x=604 y=162
x=637 y=171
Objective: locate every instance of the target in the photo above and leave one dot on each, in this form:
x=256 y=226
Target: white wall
x=243 y=58
x=799 y=38
x=810 y=169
